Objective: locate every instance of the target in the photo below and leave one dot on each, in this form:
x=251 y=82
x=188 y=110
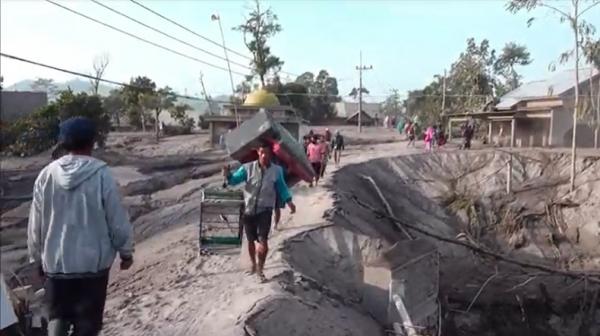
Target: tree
x=257 y=29
x=115 y=105
x=45 y=85
x=425 y=105
x=39 y=131
x=354 y=93
x=512 y=55
x=477 y=77
x=85 y=105
x=392 y=104
x=471 y=78
x=100 y=64
x=179 y=113
x=296 y=95
x=581 y=31
x=132 y=95
x=242 y=89
x=322 y=92
x=591 y=51
x=326 y=93
x=162 y=99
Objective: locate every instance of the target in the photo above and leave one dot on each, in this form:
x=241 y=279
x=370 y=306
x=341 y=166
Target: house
x=17 y=104
x=347 y=112
x=539 y=113
x=283 y=114
x=365 y=119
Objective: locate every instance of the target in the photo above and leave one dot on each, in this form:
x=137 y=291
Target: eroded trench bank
x=363 y=275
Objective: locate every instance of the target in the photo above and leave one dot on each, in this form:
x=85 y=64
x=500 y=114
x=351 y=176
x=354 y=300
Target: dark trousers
x=258 y=226
x=76 y=303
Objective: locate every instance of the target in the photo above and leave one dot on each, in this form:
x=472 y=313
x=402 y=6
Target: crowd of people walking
x=320 y=148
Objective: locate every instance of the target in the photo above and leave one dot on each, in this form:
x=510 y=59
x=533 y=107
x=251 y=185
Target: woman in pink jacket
x=429 y=138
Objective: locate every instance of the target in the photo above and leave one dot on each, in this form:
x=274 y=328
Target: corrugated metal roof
x=348 y=109
x=554 y=86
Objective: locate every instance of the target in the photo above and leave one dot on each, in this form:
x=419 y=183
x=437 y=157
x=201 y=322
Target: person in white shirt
x=77 y=225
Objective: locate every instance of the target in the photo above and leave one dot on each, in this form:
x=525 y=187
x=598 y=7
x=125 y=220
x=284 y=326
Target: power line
x=17 y=58
x=20 y=59
x=80 y=74
x=200 y=36
x=165 y=34
x=142 y=39
x=188 y=30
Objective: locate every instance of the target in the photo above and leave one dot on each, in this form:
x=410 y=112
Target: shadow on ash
x=433 y=245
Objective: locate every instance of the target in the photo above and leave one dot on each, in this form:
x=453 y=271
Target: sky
x=406 y=42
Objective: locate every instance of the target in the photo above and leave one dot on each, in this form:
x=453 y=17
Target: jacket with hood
x=77 y=222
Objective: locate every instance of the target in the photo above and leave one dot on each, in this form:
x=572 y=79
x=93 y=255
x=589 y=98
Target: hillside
x=77 y=85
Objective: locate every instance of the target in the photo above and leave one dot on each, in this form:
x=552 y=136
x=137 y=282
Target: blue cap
x=76 y=131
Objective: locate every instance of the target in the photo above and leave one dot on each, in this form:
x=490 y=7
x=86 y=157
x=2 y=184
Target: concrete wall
x=376 y=292
x=18 y=104
x=414 y=293
x=218 y=128
x=532 y=132
x=562 y=122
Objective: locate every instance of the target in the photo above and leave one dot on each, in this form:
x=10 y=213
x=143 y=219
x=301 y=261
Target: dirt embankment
x=461 y=195
x=318 y=267
x=160 y=184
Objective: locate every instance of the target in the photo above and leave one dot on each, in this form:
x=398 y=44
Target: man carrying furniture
x=264 y=184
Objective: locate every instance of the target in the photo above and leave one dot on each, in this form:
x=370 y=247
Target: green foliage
x=132 y=97
x=45 y=85
x=311 y=96
x=355 y=92
x=257 y=29
x=296 y=95
x=511 y=56
x=471 y=80
x=84 y=105
x=179 y=113
x=203 y=123
x=321 y=92
x=591 y=51
x=115 y=106
x=477 y=77
x=157 y=101
x=392 y=104
x=39 y=131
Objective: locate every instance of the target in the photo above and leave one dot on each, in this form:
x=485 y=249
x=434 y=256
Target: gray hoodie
x=77 y=222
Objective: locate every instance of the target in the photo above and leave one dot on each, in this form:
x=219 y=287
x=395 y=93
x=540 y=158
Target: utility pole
x=509 y=172
x=444 y=92
x=217 y=17
x=205 y=94
x=360 y=69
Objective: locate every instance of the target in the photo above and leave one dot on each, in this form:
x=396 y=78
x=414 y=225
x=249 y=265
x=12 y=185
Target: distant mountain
x=77 y=85
x=199 y=107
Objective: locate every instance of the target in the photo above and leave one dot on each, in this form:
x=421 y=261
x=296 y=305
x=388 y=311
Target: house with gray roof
x=348 y=112
x=540 y=113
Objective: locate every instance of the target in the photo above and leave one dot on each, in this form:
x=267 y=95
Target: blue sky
x=407 y=42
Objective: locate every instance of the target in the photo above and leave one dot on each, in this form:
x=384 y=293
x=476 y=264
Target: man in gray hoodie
x=77 y=225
